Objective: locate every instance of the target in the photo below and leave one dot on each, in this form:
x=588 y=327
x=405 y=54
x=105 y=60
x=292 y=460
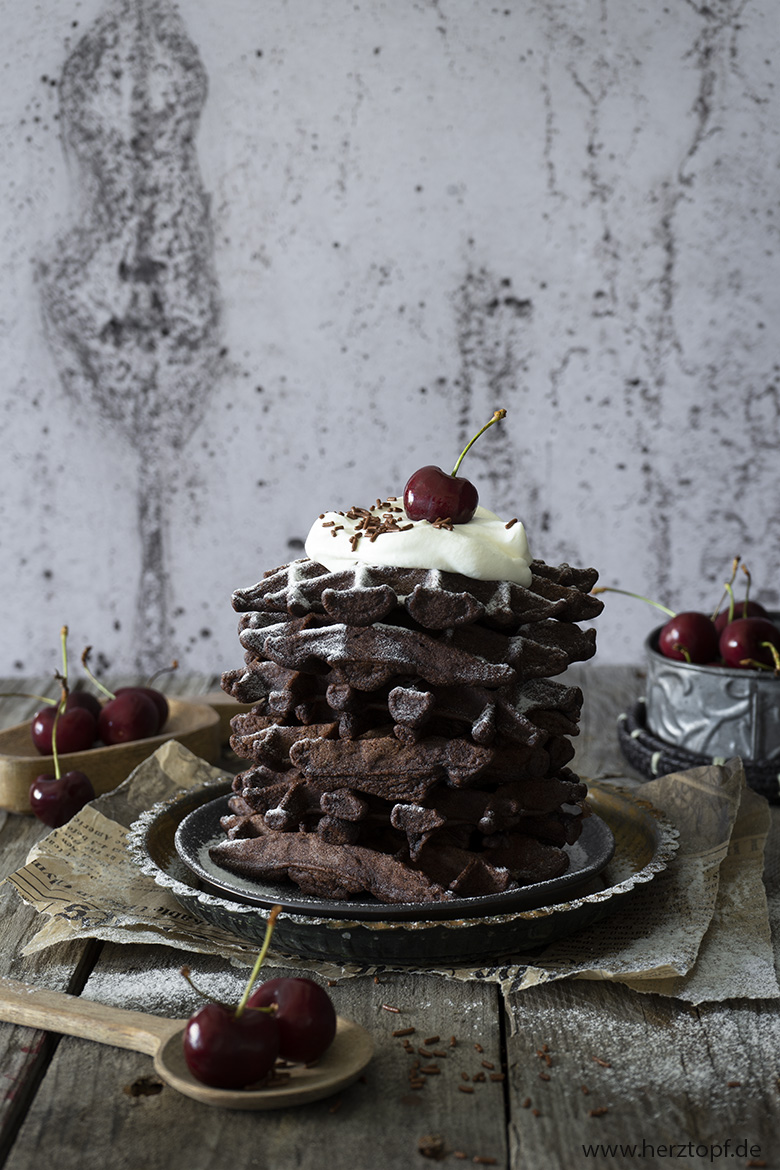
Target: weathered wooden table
x=682 y=1081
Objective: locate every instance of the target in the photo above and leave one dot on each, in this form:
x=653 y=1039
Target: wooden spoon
x=161 y=1038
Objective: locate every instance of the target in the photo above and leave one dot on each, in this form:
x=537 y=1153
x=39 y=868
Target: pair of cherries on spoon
x=233 y=1047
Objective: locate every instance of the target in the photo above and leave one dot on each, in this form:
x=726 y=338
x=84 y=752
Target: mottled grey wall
x=263 y=259
x=128 y=292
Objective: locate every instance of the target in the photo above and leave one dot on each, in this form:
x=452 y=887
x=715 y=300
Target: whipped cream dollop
x=486 y=548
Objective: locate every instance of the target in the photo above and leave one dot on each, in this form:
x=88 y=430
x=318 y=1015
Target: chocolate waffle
x=406 y=739
x=435 y=600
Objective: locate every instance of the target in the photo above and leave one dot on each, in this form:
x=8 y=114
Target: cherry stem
x=638 y=596
x=752 y=662
x=163 y=670
x=63 y=679
x=269 y=930
x=770 y=646
x=730 y=592
x=60 y=708
x=54 y=754
x=497 y=416
x=185 y=971
x=22 y=695
x=98 y=684
x=747 y=591
x=734 y=565
x=684 y=651
x=64 y=641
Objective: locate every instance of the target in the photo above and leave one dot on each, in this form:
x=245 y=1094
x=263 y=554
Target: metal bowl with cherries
x=713 y=710
x=693 y=714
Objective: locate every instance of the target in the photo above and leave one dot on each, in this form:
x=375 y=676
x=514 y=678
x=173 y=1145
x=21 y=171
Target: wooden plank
x=110 y=1100
x=667 y=1084
x=24 y=1052
x=677 y=1075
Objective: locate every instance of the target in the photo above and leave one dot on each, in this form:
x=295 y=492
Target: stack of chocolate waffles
x=406 y=740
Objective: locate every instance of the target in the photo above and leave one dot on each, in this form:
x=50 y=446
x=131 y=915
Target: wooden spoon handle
x=72 y=1016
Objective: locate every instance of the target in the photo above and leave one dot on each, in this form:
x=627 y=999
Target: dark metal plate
x=201 y=829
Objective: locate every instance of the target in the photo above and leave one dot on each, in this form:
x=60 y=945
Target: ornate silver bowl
x=711 y=710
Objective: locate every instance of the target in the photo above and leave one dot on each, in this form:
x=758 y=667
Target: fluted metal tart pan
x=645 y=843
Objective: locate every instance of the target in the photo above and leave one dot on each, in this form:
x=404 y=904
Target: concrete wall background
x=416 y=212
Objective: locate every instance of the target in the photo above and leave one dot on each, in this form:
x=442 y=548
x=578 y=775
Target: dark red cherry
x=305 y=1015
x=229 y=1051
x=689 y=637
x=748 y=640
x=432 y=494
x=741 y=609
x=130 y=716
x=76 y=729
x=86 y=700
x=54 y=800
x=41 y=727
x=157 y=697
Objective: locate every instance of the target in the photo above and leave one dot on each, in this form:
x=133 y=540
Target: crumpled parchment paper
x=699 y=931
